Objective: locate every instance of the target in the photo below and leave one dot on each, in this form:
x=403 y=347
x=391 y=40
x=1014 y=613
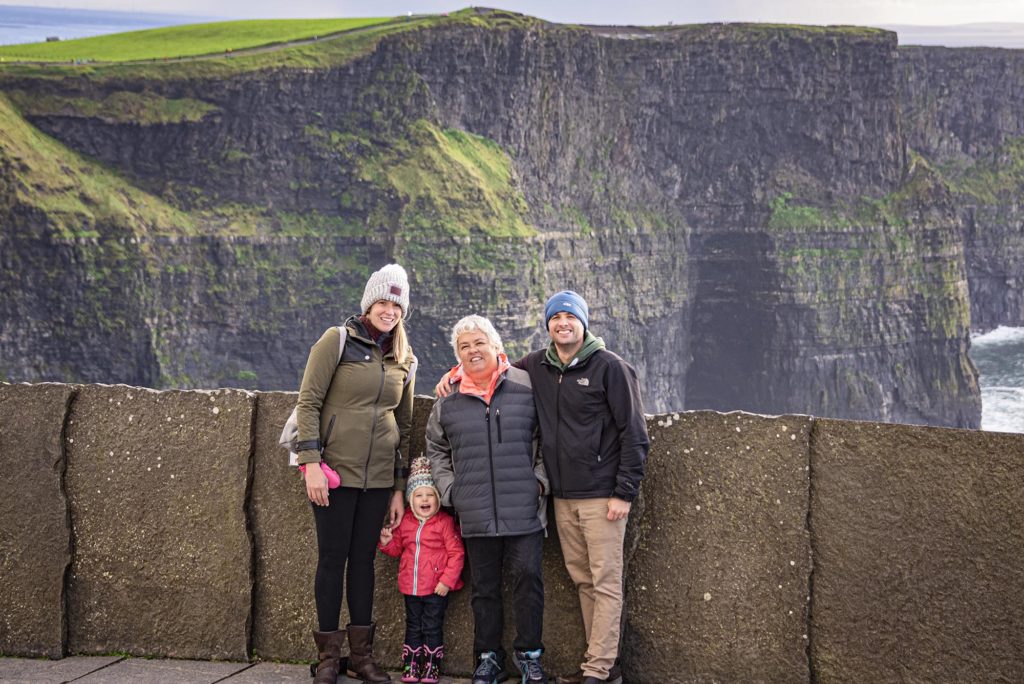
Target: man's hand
x=443 y=389
x=618 y=509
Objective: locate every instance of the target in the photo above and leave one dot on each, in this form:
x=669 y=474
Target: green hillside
x=184 y=41
x=77 y=195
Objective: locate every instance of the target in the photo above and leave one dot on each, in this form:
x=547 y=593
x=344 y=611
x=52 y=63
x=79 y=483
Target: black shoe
x=528 y=663
x=489 y=670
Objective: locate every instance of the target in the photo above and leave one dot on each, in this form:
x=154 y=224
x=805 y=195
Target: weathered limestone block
x=718 y=587
x=157 y=485
x=918 y=538
x=285 y=540
x=35 y=538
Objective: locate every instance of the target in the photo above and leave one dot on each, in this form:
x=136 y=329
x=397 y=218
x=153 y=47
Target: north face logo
x=583 y=381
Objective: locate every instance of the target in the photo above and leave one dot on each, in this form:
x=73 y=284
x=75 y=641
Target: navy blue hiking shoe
x=489 y=670
x=528 y=663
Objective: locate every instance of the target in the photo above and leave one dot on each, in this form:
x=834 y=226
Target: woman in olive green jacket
x=367 y=402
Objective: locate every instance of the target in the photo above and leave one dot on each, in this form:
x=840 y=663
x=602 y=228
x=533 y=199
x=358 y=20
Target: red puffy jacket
x=431 y=552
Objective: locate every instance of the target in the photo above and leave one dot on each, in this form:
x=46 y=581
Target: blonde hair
x=400 y=342
x=475 y=323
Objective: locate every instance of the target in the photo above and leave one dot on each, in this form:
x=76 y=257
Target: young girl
x=431 y=565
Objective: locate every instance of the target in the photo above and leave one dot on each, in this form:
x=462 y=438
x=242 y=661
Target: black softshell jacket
x=592 y=428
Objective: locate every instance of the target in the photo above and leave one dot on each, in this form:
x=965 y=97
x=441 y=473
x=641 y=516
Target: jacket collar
x=591 y=345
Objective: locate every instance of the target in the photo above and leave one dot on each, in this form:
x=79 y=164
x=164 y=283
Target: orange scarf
x=467 y=386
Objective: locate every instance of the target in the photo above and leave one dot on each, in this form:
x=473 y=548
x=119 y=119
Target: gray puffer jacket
x=485 y=461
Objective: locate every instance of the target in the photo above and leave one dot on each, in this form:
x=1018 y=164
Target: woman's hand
x=316 y=484
x=397 y=508
x=441 y=589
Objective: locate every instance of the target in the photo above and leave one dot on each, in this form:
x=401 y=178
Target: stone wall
x=773 y=549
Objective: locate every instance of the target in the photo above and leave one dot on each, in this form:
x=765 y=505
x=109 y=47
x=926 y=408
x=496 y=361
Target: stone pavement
x=118 y=669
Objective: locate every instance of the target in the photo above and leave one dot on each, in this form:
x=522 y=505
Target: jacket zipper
x=373 y=425
x=497 y=419
x=416 y=561
x=490 y=458
x=558 y=430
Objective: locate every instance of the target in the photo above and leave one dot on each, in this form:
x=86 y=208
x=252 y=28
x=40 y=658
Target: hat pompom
x=419 y=476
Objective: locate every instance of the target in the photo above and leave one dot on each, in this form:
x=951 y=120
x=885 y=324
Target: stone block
x=285 y=541
x=918 y=538
x=157 y=484
x=718 y=586
x=35 y=537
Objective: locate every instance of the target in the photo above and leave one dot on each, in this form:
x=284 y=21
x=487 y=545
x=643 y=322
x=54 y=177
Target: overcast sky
x=863 y=12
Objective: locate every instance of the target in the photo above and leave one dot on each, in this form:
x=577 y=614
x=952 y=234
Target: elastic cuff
x=305 y=457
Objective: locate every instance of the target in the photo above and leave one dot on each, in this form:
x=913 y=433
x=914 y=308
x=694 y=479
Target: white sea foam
x=1001 y=335
x=999 y=356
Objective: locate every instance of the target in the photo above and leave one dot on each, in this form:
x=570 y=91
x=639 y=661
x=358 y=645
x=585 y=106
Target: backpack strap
x=412 y=370
x=342 y=336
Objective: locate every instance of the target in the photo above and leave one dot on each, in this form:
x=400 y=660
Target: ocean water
x=999 y=356
x=20 y=24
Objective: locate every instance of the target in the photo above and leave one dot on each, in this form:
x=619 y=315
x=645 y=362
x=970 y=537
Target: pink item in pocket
x=333 y=479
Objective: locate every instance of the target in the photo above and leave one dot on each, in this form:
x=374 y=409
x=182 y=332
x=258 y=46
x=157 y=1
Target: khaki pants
x=592 y=548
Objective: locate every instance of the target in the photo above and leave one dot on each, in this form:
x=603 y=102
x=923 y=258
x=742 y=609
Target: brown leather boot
x=361 y=664
x=328 y=645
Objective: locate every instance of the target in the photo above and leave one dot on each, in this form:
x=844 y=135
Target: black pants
x=424 y=620
x=521 y=556
x=347 y=531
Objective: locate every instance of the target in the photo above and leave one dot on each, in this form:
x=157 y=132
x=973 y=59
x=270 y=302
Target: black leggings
x=347 y=530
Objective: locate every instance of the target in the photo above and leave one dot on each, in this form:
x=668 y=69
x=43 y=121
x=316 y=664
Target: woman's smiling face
x=476 y=353
x=384 y=315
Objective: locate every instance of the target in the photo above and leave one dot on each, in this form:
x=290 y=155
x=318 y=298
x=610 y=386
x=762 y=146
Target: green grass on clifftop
x=183 y=41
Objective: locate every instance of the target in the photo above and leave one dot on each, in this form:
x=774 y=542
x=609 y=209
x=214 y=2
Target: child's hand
x=386 y=535
x=441 y=589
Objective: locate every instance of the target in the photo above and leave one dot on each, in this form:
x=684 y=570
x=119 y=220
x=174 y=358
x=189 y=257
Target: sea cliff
x=745 y=207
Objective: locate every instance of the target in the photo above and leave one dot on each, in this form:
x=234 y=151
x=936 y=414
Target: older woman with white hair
x=481 y=442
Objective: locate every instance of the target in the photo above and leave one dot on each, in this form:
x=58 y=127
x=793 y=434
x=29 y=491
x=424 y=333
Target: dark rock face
x=911 y=543
x=35 y=534
x=646 y=165
x=964 y=110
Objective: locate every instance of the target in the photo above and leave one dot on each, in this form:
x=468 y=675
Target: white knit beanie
x=389 y=283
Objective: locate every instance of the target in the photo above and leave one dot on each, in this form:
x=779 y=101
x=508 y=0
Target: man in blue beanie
x=594 y=441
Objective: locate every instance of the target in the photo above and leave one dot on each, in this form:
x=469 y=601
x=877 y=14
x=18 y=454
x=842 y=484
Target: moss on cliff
x=995 y=179
x=123 y=106
x=78 y=197
x=441 y=182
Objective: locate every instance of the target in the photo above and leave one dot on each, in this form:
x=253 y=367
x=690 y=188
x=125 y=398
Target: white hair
x=475 y=323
